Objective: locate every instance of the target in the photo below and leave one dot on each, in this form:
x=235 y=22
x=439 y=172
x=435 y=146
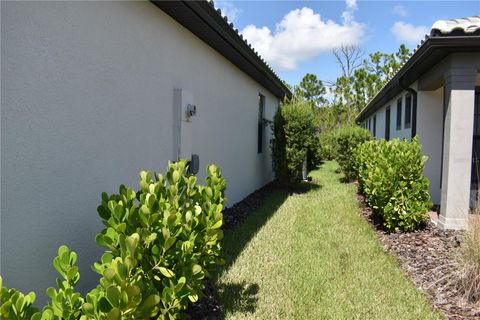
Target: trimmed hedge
x=295 y=137
x=327 y=145
x=345 y=141
x=390 y=174
x=161 y=242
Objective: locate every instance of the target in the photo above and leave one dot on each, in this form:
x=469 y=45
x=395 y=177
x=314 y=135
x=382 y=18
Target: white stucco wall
x=87 y=99
x=429 y=129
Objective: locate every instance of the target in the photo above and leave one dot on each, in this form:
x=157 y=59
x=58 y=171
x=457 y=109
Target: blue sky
x=297 y=37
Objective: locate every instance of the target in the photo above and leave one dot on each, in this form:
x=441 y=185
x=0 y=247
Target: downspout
x=414 y=107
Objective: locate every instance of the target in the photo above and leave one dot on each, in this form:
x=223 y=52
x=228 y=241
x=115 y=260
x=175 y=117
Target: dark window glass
x=261 y=108
x=399 y=114
x=387 y=124
x=374 y=125
x=408 y=111
x=476 y=115
x=476 y=142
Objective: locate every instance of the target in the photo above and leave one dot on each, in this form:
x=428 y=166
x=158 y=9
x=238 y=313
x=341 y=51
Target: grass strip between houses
x=312 y=256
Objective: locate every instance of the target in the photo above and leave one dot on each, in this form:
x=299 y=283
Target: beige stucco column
x=457 y=148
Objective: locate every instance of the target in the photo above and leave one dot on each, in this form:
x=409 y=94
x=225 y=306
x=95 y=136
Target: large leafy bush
x=161 y=242
x=390 y=174
x=345 y=141
x=295 y=137
x=327 y=145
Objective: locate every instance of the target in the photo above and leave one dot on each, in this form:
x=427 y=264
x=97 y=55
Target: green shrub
x=327 y=145
x=390 y=174
x=295 y=137
x=346 y=140
x=161 y=243
x=314 y=154
x=15 y=305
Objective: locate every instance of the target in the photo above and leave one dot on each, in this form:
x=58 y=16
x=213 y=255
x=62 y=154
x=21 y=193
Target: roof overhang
x=201 y=18
x=432 y=51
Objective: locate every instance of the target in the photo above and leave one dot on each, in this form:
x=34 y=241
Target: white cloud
x=303 y=35
x=351 y=4
x=228 y=9
x=408 y=33
x=400 y=11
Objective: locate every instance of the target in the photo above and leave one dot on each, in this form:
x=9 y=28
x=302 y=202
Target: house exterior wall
x=402 y=132
x=429 y=129
x=87 y=102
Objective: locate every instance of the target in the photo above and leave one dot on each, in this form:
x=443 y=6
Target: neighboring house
x=94 y=92
x=435 y=95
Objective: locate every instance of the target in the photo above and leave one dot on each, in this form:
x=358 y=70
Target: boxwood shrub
x=390 y=174
x=161 y=242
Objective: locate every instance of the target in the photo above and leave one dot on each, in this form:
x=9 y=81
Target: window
x=476 y=140
x=261 y=108
x=408 y=111
x=387 y=124
x=476 y=114
x=399 y=114
x=374 y=125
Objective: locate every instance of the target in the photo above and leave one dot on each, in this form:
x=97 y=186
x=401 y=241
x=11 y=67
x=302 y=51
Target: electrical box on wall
x=184 y=109
x=191 y=110
x=194 y=164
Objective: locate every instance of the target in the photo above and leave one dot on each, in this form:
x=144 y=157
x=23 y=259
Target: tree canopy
x=359 y=81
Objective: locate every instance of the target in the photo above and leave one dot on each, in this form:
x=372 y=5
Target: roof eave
x=432 y=51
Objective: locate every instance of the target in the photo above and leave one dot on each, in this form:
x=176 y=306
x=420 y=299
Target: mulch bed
x=235 y=215
x=427 y=256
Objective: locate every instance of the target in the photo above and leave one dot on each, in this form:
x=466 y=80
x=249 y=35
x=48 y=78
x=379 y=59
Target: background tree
x=312 y=90
x=349 y=58
x=361 y=80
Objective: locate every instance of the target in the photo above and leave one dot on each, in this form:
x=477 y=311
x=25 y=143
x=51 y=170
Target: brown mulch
x=235 y=215
x=428 y=256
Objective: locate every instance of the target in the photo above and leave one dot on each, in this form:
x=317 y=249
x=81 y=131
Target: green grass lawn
x=312 y=256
